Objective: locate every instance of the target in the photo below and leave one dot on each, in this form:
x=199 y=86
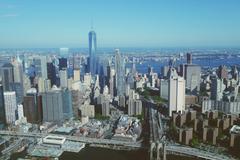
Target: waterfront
x=203 y=62
x=92 y=153
x=108 y=154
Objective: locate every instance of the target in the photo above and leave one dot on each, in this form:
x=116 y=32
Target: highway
x=75 y=138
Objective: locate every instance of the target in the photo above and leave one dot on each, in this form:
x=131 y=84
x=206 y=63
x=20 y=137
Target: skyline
x=119 y=24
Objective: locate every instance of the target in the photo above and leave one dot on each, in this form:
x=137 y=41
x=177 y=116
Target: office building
x=2 y=107
x=192 y=76
x=40 y=65
x=67 y=104
x=134 y=107
x=63 y=78
x=76 y=75
x=52 y=74
x=44 y=85
x=32 y=106
x=176 y=92
x=63 y=63
x=105 y=109
x=217 y=89
x=120 y=73
x=92 y=52
x=6 y=72
x=17 y=71
x=10 y=102
x=164 y=88
x=52 y=105
x=189 y=58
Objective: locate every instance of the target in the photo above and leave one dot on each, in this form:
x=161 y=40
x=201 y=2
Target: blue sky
x=120 y=23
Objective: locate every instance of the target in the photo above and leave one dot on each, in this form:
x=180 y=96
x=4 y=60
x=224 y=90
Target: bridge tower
x=157 y=151
x=152 y=148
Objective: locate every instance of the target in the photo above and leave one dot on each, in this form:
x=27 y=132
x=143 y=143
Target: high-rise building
x=189 y=58
x=76 y=101
x=192 y=76
x=33 y=106
x=63 y=78
x=17 y=84
x=67 y=104
x=164 y=88
x=134 y=107
x=122 y=101
x=217 y=89
x=52 y=74
x=120 y=73
x=112 y=82
x=92 y=52
x=26 y=84
x=20 y=114
x=176 y=92
x=44 y=85
x=6 y=72
x=105 y=109
x=87 y=79
x=76 y=75
x=17 y=71
x=40 y=63
x=18 y=88
x=2 y=107
x=10 y=102
x=52 y=105
x=63 y=63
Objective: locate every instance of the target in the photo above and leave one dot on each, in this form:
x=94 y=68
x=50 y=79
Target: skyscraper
x=2 y=108
x=92 y=52
x=120 y=73
x=40 y=63
x=6 y=72
x=217 y=89
x=32 y=106
x=67 y=103
x=52 y=105
x=10 y=106
x=192 y=75
x=51 y=70
x=63 y=78
x=189 y=58
x=63 y=63
x=176 y=92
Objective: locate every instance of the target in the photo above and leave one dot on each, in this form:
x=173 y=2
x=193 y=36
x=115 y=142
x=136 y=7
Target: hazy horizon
x=54 y=24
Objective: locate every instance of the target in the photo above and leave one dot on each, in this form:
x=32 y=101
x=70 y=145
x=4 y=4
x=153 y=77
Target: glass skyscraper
x=92 y=52
x=2 y=107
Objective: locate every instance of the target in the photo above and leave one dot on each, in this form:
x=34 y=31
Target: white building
x=217 y=89
x=87 y=79
x=10 y=103
x=76 y=75
x=176 y=92
x=21 y=119
x=63 y=78
x=44 y=85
